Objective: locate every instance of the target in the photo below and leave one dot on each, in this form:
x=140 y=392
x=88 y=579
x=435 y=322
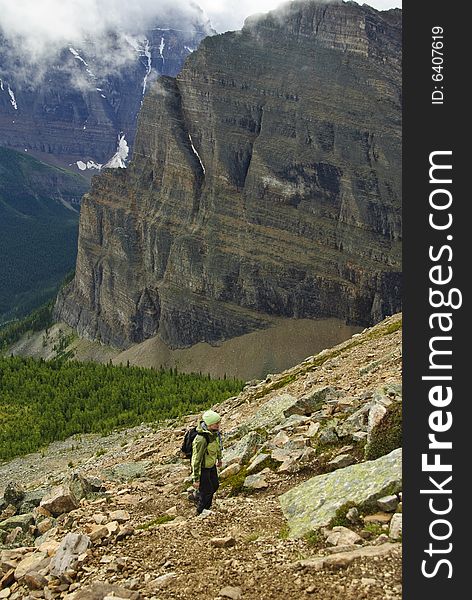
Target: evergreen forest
x=41 y=402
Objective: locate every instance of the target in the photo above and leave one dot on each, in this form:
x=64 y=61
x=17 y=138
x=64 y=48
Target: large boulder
x=243 y=450
x=128 y=471
x=313 y=401
x=22 y=521
x=270 y=414
x=59 y=500
x=33 y=562
x=71 y=547
x=14 y=493
x=314 y=503
x=32 y=499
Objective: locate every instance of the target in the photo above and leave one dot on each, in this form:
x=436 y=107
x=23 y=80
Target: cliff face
x=89 y=96
x=265 y=180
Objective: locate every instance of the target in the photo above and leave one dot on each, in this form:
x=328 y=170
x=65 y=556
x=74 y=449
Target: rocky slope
x=79 y=109
x=97 y=517
x=265 y=182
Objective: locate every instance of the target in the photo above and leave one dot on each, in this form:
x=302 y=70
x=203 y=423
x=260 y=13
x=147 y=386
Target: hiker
x=207 y=451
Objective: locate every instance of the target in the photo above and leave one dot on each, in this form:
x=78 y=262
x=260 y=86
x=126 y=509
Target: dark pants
x=208 y=485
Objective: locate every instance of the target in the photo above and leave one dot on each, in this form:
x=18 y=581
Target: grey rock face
x=265 y=182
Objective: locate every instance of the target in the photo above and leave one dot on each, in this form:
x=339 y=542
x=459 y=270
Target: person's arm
x=220 y=451
x=198 y=451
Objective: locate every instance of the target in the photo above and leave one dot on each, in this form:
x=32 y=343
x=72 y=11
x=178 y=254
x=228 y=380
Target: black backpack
x=187 y=444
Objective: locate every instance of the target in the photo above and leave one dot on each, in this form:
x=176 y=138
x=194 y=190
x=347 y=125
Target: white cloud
x=37 y=29
x=226 y=15
x=40 y=27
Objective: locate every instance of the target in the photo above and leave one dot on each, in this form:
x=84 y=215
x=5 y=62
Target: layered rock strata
x=266 y=180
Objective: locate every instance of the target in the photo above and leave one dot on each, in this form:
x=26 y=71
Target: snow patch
x=90 y=164
x=162 y=45
x=189 y=49
x=76 y=55
x=147 y=54
x=12 y=98
x=1 y=85
x=196 y=153
x=118 y=160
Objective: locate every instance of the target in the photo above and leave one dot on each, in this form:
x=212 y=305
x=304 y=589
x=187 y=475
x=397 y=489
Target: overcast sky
x=226 y=15
x=37 y=29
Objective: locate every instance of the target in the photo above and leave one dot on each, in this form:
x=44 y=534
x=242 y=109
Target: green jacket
x=204 y=455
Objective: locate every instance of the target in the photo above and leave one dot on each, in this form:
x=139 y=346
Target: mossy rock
x=316 y=502
x=235 y=483
x=387 y=435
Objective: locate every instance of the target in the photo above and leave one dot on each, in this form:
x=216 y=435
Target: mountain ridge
x=265 y=181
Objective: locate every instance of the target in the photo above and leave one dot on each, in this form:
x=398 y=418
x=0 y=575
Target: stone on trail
x=34 y=562
x=59 y=500
x=270 y=414
x=223 y=542
x=292 y=421
x=128 y=471
x=395 y=531
x=256 y=462
x=23 y=521
x=280 y=439
x=14 y=493
x=342 y=536
x=35 y=581
x=230 y=471
x=162 y=582
x=255 y=482
x=313 y=504
x=98 y=532
x=341 y=461
x=376 y=413
x=120 y=515
x=381 y=518
x=235 y=593
x=388 y=503
x=344 y=559
x=71 y=547
x=308 y=404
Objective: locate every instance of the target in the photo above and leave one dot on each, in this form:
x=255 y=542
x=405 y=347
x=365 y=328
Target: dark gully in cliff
x=265 y=181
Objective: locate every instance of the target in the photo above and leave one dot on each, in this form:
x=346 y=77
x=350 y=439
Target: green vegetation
x=45 y=401
x=284 y=532
x=159 y=521
x=235 y=483
x=38 y=320
x=252 y=537
x=374 y=528
x=39 y=216
x=313 y=538
x=340 y=516
x=387 y=435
